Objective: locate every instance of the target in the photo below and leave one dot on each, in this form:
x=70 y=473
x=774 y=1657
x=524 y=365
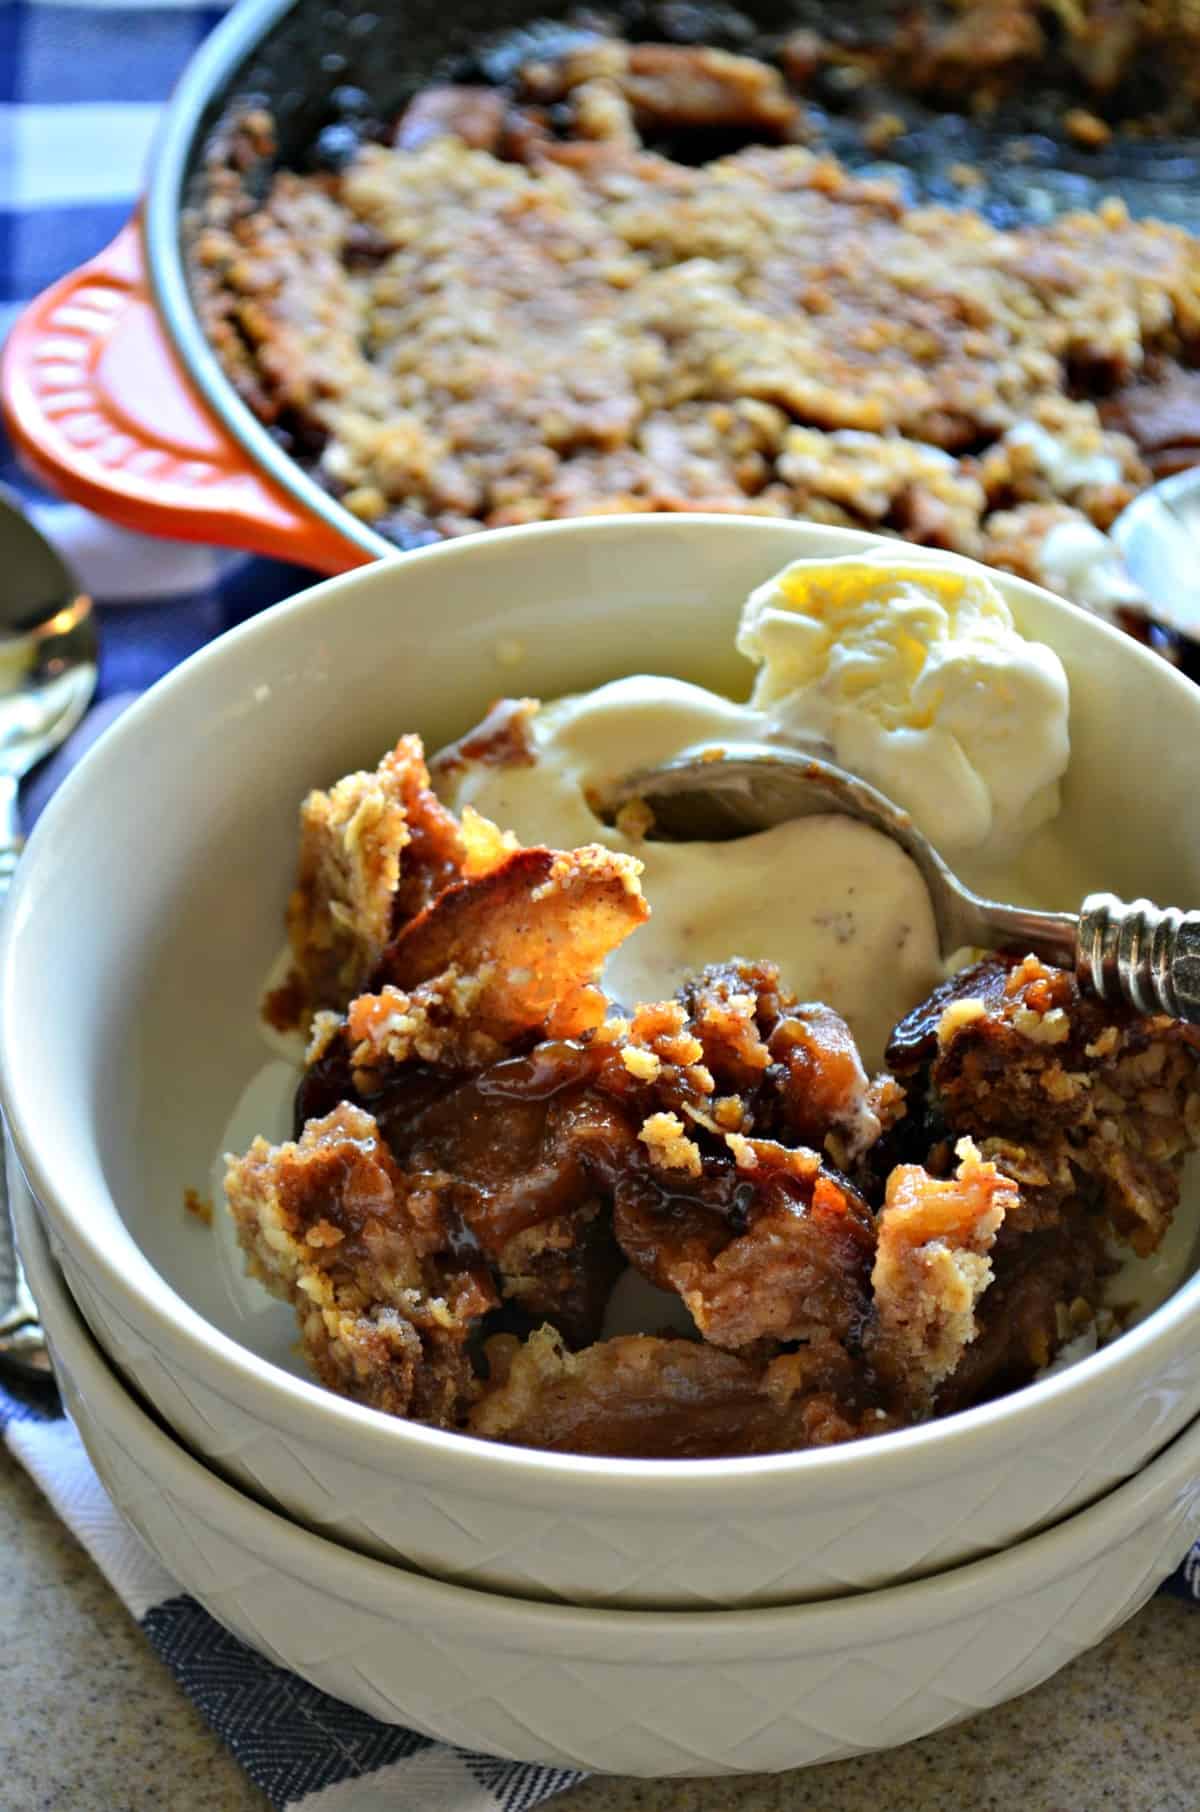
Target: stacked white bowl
x=637 y=1616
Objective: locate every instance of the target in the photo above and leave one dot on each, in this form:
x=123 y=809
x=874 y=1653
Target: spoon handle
x=1054 y=936
x=1146 y=955
x=22 y=1342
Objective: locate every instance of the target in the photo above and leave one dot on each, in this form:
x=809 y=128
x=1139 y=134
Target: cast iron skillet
x=204 y=467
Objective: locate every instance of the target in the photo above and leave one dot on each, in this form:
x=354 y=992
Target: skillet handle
x=101 y=410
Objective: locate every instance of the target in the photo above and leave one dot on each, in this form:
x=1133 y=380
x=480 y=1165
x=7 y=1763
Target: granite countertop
x=93 y=1721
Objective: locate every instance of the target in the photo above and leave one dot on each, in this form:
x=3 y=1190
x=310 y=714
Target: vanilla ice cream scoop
x=1143 y=955
x=908 y=669
x=841 y=909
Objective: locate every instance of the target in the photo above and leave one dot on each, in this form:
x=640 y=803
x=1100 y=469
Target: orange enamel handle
x=100 y=408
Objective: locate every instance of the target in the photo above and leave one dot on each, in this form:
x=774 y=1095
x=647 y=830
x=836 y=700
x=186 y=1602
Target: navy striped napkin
x=296 y=1743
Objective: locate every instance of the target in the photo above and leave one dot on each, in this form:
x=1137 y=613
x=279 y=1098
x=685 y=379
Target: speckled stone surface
x=93 y=1722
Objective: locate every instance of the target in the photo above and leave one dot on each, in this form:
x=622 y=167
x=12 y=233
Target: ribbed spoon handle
x=1144 y=954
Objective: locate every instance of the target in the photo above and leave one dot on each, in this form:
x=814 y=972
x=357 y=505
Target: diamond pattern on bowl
x=806 y=1701
x=639 y=1559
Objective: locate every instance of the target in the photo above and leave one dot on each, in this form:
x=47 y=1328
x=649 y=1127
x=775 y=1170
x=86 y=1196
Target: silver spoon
x=1138 y=953
x=48 y=652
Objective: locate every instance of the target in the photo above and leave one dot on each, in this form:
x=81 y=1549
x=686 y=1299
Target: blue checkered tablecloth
x=71 y=159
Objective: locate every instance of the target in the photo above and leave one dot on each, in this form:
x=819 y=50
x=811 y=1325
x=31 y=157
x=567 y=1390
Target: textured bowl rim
x=122 y=1274
x=598 y=1633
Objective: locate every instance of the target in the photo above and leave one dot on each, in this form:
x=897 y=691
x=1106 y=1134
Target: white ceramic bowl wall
x=629 y=1692
x=149 y=905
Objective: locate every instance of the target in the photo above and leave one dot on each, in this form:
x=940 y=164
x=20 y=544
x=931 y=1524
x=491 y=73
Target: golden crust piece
x=931 y=1268
x=433 y=1024
x=374 y=851
x=638 y=1396
x=330 y=1224
x=533 y=935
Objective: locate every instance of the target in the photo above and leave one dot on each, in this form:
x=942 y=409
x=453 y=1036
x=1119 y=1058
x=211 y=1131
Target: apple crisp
x=558 y=297
x=484 y=1142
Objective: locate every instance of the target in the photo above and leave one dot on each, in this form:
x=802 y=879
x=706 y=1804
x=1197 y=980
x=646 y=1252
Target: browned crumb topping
x=375 y=850
x=332 y=1225
x=932 y=1266
x=486 y=322
x=1068 y=1093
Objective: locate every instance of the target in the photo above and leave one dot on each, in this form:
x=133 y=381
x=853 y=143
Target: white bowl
x=629 y=1692
x=149 y=905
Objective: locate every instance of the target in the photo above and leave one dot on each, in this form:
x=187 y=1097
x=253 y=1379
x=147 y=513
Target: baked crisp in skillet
x=520 y=309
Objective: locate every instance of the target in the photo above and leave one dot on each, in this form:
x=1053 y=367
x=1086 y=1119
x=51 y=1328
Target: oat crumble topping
x=516 y=310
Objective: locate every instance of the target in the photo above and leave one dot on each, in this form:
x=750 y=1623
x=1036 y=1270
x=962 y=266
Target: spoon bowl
x=49 y=647
x=47 y=679
x=1141 y=954
x=742 y=788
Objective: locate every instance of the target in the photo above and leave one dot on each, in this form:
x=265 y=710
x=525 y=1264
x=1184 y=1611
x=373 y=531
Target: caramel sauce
x=499 y=740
